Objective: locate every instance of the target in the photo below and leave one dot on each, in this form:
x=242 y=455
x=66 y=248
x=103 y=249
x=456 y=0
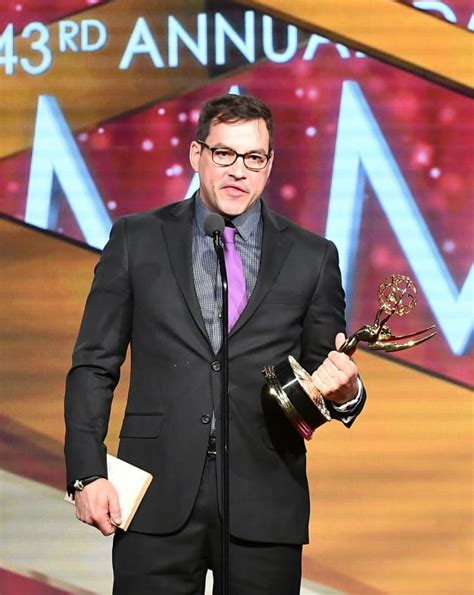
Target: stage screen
x=98 y=105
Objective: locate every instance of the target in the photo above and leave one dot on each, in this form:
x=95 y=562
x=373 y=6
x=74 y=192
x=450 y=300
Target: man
x=156 y=288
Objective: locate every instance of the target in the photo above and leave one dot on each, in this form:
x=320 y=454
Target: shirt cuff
x=349 y=406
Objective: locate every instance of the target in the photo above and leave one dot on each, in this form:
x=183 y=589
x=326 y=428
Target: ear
x=194 y=155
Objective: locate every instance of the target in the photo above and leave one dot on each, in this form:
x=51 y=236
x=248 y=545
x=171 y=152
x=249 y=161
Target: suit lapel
x=179 y=238
x=275 y=248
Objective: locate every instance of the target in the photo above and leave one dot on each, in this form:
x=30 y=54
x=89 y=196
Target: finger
x=340 y=339
x=336 y=369
x=98 y=509
x=331 y=382
x=318 y=382
x=342 y=362
x=329 y=378
x=323 y=381
x=114 y=509
x=330 y=367
x=105 y=526
x=107 y=529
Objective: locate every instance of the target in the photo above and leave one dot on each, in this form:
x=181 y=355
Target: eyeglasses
x=223 y=156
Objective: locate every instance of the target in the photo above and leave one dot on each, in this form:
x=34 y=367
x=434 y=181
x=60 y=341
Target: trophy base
x=292 y=388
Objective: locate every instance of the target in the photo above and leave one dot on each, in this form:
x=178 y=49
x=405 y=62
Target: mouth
x=234 y=190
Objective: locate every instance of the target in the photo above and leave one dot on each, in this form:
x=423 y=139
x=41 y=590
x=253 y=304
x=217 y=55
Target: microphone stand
x=224 y=442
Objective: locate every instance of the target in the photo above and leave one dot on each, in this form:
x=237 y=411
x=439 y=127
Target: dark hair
x=232 y=108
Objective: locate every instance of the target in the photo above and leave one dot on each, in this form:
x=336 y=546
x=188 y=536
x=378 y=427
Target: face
x=232 y=189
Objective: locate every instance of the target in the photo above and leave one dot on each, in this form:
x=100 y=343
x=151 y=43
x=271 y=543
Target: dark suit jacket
x=143 y=295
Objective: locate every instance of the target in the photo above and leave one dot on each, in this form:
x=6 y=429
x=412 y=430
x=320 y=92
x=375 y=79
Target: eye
x=256 y=158
x=223 y=153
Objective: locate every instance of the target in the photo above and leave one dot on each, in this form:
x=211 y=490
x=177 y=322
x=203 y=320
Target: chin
x=232 y=210
x=229 y=213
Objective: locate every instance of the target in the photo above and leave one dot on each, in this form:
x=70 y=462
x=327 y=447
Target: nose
x=238 y=169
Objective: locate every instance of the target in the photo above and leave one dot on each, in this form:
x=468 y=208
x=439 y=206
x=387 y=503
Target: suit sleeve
x=324 y=319
x=99 y=352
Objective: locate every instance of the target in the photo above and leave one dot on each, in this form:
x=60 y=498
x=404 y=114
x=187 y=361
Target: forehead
x=243 y=135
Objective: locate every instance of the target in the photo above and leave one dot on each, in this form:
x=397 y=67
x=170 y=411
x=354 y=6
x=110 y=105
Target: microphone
x=214 y=224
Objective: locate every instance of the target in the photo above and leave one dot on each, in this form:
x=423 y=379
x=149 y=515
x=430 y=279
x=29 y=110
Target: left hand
x=336 y=377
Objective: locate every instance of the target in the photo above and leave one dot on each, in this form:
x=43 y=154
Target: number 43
x=8 y=57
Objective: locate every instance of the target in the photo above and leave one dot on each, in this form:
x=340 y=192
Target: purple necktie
x=235 y=276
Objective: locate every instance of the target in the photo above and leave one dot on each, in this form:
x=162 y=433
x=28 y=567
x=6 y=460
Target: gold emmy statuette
x=292 y=387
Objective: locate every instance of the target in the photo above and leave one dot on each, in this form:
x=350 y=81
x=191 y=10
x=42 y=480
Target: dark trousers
x=177 y=563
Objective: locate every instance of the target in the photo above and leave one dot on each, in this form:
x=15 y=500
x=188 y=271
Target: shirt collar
x=246 y=223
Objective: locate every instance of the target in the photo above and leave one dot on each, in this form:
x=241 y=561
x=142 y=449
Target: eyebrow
x=222 y=146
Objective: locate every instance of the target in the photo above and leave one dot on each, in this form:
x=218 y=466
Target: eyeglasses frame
x=237 y=155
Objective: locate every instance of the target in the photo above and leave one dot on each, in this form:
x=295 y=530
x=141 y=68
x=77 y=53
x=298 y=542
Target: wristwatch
x=80 y=484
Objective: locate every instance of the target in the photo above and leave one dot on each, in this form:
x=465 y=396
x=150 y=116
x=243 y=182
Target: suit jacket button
x=216 y=366
x=205 y=419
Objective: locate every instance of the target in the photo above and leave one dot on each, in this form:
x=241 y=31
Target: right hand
x=98 y=505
